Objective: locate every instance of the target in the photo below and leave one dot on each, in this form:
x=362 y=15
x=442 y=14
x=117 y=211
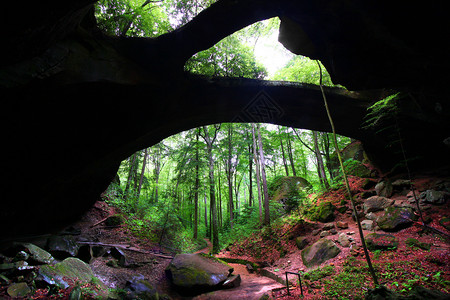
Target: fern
x=380 y=111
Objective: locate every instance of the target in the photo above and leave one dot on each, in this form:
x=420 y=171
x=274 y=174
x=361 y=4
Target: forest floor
x=345 y=275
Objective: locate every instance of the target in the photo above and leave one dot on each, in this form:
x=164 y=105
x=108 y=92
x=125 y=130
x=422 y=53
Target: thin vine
x=361 y=234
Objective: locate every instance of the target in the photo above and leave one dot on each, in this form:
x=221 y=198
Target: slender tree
x=264 y=181
x=209 y=140
x=290 y=154
x=197 y=184
x=258 y=180
x=283 y=152
x=320 y=165
x=144 y=165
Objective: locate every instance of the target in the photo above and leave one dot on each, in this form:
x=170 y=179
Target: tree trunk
x=250 y=179
x=290 y=155
x=212 y=189
x=282 y=152
x=144 y=164
x=320 y=165
x=208 y=231
x=263 y=175
x=258 y=179
x=230 y=176
x=130 y=173
x=197 y=186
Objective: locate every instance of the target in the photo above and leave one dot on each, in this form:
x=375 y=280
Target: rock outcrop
x=196 y=273
x=319 y=252
x=396 y=218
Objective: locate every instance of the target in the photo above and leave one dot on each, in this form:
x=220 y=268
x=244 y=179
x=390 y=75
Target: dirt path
x=207 y=249
x=252 y=287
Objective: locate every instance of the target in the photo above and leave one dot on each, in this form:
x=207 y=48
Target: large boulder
x=319 y=252
x=323 y=213
x=196 y=273
x=396 y=218
x=37 y=254
x=376 y=203
x=434 y=197
x=65 y=273
x=384 y=189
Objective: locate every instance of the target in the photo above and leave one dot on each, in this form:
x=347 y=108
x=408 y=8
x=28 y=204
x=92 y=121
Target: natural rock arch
x=67 y=89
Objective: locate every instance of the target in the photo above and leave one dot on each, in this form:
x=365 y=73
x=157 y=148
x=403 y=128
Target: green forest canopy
x=176 y=182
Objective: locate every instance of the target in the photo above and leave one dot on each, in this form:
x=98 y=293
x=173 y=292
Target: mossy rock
x=378 y=241
x=301 y=242
x=324 y=212
x=196 y=273
x=20 y=289
x=357 y=168
x=396 y=218
x=65 y=273
x=319 y=252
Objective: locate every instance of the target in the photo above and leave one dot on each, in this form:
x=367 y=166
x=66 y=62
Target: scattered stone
x=20 y=289
x=333 y=231
x=85 y=253
x=195 y=273
x=384 y=189
x=368 y=184
x=360 y=215
x=342 y=209
x=319 y=252
x=21 y=255
x=401 y=183
x=378 y=241
x=117 y=253
x=370 y=216
x=62 y=274
x=316 y=231
x=350 y=232
x=342 y=225
x=396 y=218
x=62 y=247
x=4 y=279
x=139 y=288
x=325 y=212
x=301 y=242
x=98 y=251
x=328 y=226
x=232 y=281
x=250 y=268
x=376 y=203
x=344 y=240
x=325 y=233
x=38 y=255
x=367 y=225
x=368 y=194
x=435 y=197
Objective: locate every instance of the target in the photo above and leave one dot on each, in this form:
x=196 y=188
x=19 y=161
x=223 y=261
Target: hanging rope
x=361 y=234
